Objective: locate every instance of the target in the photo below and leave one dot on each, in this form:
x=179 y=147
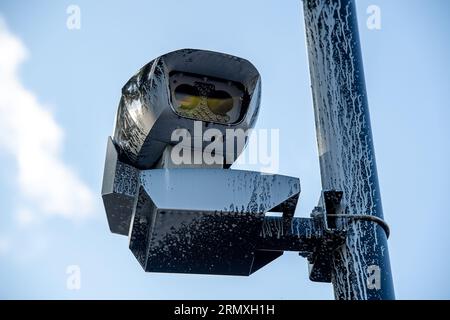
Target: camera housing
x=204 y=219
x=177 y=89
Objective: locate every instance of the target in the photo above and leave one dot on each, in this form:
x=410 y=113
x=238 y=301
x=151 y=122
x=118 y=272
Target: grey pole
x=361 y=268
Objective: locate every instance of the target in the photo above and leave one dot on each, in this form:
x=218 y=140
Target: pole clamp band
x=383 y=224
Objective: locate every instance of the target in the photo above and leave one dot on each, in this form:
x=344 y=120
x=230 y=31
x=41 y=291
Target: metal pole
x=361 y=268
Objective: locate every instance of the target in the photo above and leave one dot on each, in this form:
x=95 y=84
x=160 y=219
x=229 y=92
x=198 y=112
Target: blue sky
x=64 y=87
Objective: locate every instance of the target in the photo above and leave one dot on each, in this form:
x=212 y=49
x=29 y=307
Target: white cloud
x=30 y=133
x=25 y=217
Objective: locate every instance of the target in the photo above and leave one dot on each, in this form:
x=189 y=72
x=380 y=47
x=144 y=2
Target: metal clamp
x=315 y=238
x=383 y=224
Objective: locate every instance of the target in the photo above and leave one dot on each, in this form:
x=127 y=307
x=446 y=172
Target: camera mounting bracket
x=221 y=226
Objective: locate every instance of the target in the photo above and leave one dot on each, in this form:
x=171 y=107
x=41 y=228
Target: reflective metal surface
x=213 y=228
x=147 y=116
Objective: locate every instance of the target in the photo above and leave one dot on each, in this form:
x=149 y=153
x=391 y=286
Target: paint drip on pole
x=361 y=268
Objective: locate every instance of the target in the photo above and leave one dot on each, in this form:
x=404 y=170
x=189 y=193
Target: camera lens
x=187 y=96
x=220 y=102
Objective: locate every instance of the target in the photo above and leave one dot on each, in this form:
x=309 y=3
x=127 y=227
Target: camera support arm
x=221 y=226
